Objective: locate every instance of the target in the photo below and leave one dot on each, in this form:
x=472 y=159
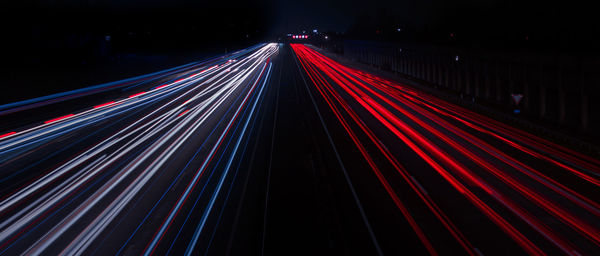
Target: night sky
x=35 y=29
x=273 y=17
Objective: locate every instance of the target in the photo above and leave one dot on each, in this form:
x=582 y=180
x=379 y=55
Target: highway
x=76 y=180
x=454 y=175
x=279 y=150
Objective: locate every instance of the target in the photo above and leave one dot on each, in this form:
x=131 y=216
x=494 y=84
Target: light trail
x=430 y=128
x=157 y=168
x=78 y=199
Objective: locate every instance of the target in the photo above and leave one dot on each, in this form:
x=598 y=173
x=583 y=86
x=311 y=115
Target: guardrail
x=485 y=84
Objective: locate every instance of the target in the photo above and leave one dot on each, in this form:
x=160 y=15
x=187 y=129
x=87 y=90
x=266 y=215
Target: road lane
x=67 y=207
x=544 y=198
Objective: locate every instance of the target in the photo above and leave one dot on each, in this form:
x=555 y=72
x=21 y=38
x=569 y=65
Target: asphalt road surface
x=279 y=150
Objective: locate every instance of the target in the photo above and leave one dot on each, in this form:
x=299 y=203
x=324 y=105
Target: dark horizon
x=165 y=23
x=91 y=35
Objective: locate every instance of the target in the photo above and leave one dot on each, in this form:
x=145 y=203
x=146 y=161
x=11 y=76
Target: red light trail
x=464 y=149
x=58 y=118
